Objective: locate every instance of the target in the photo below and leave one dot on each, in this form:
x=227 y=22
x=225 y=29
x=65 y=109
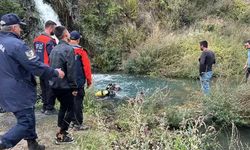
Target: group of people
x=63 y=69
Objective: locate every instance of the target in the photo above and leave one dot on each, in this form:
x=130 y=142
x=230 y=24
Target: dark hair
x=204 y=44
x=247 y=41
x=59 y=32
x=49 y=23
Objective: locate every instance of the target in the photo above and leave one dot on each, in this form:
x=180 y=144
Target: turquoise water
x=131 y=85
x=179 y=89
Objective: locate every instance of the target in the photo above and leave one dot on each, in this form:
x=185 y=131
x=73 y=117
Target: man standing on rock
x=84 y=74
x=43 y=45
x=63 y=56
x=207 y=59
x=18 y=65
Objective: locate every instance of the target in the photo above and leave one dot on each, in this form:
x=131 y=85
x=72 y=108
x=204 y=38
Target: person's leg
x=78 y=107
x=65 y=98
x=24 y=129
x=51 y=98
x=44 y=94
x=247 y=74
x=204 y=83
x=62 y=109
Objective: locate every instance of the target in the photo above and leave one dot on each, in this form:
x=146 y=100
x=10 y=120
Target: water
x=131 y=85
x=46 y=12
x=179 y=90
x=242 y=135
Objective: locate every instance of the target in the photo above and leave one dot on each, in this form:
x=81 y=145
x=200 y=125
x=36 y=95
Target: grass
x=152 y=123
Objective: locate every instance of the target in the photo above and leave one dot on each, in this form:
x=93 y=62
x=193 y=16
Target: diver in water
x=110 y=91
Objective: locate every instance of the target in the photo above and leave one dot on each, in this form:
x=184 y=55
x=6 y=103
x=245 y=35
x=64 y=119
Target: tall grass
x=152 y=123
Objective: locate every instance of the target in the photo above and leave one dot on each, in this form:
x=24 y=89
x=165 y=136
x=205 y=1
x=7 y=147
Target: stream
x=178 y=89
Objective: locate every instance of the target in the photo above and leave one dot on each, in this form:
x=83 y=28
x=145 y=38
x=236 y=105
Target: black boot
x=33 y=145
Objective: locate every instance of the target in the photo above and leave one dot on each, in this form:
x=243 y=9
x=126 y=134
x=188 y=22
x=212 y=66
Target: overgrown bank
x=158 y=37
x=161 y=37
x=152 y=123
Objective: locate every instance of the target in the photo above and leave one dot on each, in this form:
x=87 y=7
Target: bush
x=7 y=6
x=169 y=44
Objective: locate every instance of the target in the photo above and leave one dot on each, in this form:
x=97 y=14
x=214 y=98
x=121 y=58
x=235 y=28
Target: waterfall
x=46 y=12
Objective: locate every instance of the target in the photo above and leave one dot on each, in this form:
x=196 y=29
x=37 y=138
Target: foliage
x=7 y=6
x=161 y=37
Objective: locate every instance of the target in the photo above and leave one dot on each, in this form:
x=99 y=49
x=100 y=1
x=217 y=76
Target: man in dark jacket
x=65 y=89
x=207 y=59
x=84 y=74
x=18 y=65
x=43 y=45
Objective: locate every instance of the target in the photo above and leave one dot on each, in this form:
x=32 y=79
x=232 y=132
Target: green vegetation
x=7 y=6
x=161 y=37
x=151 y=123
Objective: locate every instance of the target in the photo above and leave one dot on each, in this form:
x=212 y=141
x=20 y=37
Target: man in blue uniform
x=18 y=65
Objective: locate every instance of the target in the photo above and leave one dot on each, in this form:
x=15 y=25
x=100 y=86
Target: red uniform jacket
x=43 y=44
x=86 y=66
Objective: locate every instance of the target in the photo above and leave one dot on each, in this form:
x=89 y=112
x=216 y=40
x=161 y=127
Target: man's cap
x=74 y=35
x=10 y=19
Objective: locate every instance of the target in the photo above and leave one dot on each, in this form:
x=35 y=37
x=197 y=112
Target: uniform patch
x=30 y=54
x=2 y=22
x=2 y=48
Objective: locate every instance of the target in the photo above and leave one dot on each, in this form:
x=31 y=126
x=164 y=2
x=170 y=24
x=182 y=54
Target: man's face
x=52 y=30
x=67 y=35
x=201 y=47
x=247 y=45
x=17 y=29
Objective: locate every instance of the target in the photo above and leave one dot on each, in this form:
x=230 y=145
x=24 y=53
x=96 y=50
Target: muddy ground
x=46 y=129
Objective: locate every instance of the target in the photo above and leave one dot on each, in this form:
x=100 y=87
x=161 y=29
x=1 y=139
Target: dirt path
x=46 y=129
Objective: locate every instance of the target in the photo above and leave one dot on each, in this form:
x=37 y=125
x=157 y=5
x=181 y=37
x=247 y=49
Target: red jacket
x=43 y=45
x=85 y=63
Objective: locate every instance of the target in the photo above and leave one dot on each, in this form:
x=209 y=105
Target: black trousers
x=78 y=107
x=48 y=96
x=65 y=114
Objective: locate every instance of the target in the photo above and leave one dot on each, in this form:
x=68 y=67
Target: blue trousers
x=24 y=129
x=205 y=82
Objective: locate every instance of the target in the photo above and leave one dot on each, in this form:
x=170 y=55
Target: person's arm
x=30 y=62
x=50 y=45
x=71 y=69
x=214 y=59
x=245 y=67
x=202 y=63
x=87 y=68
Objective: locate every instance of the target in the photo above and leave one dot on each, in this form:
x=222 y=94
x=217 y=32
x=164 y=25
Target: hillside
x=158 y=37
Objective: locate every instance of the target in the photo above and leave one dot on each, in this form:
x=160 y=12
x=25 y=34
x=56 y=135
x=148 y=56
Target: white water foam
x=46 y=12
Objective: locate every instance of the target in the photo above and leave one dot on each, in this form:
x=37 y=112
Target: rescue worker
x=18 y=65
x=64 y=89
x=84 y=74
x=43 y=45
